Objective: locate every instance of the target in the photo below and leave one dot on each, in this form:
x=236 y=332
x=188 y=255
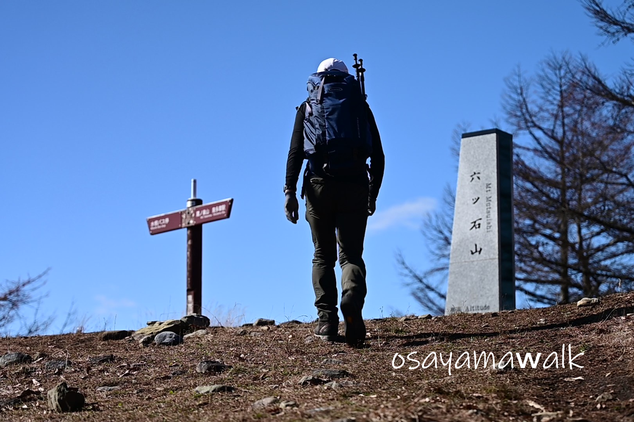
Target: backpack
x=337 y=137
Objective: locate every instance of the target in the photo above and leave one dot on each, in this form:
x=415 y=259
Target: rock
x=310 y=380
x=331 y=373
x=146 y=341
x=212 y=366
x=426 y=316
x=587 y=301
x=291 y=322
x=288 y=404
x=57 y=365
x=547 y=416
x=331 y=361
x=334 y=385
x=167 y=338
x=98 y=360
x=173 y=325
x=108 y=388
x=13 y=358
x=115 y=335
x=197 y=333
x=208 y=389
x=196 y=321
x=264 y=403
x=604 y=397
x=262 y=322
x=64 y=399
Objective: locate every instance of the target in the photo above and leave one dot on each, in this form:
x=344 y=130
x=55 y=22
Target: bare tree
x=18 y=296
x=615 y=24
x=567 y=238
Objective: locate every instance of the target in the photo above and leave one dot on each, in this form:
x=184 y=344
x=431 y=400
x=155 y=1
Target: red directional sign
x=193 y=216
x=214 y=211
x=165 y=222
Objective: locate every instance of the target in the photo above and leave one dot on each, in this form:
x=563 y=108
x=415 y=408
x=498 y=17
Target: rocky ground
x=413 y=368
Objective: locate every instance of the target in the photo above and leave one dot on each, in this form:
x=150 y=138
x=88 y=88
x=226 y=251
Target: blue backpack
x=337 y=137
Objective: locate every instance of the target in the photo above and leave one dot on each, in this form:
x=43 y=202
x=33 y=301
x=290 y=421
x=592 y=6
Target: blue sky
x=109 y=109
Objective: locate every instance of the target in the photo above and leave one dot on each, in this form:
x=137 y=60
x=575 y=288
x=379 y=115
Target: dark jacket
x=296 y=155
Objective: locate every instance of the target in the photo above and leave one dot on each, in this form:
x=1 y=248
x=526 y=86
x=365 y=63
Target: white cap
x=332 y=64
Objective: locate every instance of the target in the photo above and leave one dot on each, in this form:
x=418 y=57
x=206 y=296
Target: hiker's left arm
x=377 y=159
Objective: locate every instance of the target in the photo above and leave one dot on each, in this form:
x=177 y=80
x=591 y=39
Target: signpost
x=192 y=218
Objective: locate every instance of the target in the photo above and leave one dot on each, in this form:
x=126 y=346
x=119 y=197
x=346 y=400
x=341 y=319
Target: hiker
x=336 y=132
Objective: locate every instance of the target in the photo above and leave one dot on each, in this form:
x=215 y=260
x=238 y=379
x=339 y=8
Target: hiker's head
x=332 y=64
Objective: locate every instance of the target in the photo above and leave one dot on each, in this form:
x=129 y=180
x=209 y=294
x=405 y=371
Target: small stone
x=61 y=398
x=330 y=361
x=167 y=338
x=115 y=335
x=57 y=365
x=288 y=404
x=12 y=358
x=209 y=389
x=547 y=416
x=197 y=333
x=291 y=322
x=333 y=385
x=426 y=316
x=98 y=360
x=588 y=301
x=108 y=388
x=212 y=366
x=541 y=321
x=604 y=397
x=261 y=322
x=146 y=341
x=310 y=380
x=320 y=410
x=331 y=373
x=264 y=403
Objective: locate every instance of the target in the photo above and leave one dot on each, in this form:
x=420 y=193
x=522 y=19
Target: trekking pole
x=358 y=66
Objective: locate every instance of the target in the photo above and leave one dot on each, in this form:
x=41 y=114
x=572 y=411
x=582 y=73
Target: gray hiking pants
x=337 y=214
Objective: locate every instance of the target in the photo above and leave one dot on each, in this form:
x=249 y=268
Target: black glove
x=371 y=205
x=291 y=207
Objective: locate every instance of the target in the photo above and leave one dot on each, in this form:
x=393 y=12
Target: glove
x=371 y=205
x=291 y=207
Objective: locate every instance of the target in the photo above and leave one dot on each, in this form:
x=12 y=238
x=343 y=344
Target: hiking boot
x=353 y=321
x=327 y=330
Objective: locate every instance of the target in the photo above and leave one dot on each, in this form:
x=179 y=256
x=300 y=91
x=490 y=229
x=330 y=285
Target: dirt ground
x=412 y=369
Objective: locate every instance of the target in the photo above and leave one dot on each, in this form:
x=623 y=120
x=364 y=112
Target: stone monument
x=482 y=263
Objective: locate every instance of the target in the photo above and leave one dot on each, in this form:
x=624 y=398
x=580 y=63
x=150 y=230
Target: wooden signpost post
x=193 y=217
